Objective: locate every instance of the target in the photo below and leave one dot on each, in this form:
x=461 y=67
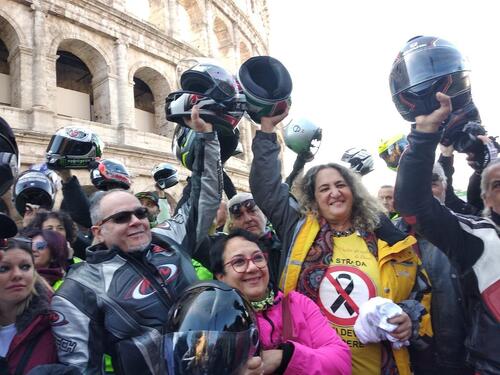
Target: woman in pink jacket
x=295 y=337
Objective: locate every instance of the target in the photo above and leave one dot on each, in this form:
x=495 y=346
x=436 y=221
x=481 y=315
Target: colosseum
x=109 y=64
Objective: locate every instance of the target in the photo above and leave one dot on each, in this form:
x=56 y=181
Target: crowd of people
x=308 y=274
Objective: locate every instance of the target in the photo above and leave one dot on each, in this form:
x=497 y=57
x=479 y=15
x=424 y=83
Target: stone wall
x=117 y=45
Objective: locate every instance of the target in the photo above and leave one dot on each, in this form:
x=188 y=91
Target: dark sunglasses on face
x=240 y=263
x=123 y=217
x=235 y=209
x=39 y=245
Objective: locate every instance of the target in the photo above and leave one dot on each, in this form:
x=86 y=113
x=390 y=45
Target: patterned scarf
x=320 y=256
x=263 y=304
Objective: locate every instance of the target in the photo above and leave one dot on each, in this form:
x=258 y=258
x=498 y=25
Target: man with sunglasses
x=117 y=302
x=245 y=214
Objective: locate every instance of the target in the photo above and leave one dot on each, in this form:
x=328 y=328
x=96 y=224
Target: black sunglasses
x=123 y=217
x=235 y=209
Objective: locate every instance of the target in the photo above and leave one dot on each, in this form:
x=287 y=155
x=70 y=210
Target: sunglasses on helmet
x=123 y=217
x=235 y=209
x=5 y=241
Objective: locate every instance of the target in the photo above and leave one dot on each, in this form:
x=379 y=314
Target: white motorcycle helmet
x=302 y=136
x=359 y=160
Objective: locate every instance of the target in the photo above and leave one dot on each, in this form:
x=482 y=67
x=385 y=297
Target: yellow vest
x=398 y=268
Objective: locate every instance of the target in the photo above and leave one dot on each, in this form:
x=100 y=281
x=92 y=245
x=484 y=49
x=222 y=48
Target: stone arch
x=143 y=74
x=224 y=41
x=192 y=24
x=12 y=38
x=99 y=66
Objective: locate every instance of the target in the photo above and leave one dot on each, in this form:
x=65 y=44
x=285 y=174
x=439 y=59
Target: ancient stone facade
x=117 y=46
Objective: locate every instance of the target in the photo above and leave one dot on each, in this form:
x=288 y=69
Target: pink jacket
x=318 y=348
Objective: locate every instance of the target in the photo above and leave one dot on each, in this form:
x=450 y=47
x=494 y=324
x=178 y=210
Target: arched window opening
x=144 y=106
x=4 y=75
x=74 y=87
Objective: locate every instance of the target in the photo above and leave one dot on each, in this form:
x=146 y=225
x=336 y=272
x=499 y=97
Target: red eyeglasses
x=240 y=263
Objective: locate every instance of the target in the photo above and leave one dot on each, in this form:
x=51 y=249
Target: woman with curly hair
x=341 y=251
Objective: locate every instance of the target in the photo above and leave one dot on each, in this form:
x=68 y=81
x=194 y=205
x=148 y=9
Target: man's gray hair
x=365 y=207
x=438 y=170
x=485 y=180
x=95 y=204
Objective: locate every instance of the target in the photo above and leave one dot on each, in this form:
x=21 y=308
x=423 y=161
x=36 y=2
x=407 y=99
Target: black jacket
x=472 y=244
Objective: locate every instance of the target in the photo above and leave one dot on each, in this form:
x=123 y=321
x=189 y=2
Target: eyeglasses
x=240 y=263
x=39 y=245
x=123 y=217
x=235 y=209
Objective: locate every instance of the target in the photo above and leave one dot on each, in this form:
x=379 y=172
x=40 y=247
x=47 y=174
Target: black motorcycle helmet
x=110 y=174
x=9 y=157
x=214 y=91
x=165 y=175
x=423 y=67
x=183 y=144
x=212 y=329
x=33 y=187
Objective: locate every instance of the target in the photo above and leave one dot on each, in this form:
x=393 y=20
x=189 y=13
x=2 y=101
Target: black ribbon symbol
x=340 y=299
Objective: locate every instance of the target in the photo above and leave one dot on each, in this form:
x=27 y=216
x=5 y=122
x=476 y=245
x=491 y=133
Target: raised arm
x=194 y=216
x=413 y=194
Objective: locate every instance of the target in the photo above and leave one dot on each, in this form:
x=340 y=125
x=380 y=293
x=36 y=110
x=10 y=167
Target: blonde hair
x=365 y=208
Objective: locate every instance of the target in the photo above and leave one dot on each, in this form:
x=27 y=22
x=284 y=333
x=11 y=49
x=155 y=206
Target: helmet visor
x=393 y=153
x=210 y=80
x=416 y=67
x=209 y=352
x=68 y=147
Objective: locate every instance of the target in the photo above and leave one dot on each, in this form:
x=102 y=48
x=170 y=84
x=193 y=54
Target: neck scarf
x=320 y=256
x=263 y=304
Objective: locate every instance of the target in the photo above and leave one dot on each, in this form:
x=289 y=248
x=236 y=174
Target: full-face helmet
x=213 y=90
x=359 y=160
x=267 y=86
x=183 y=144
x=33 y=187
x=423 y=67
x=165 y=175
x=73 y=148
x=9 y=157
x=391 y=149
x=302 y=136
x=212 y=329
x=110 y=174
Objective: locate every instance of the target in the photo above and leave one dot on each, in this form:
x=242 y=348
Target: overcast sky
x=340 y=53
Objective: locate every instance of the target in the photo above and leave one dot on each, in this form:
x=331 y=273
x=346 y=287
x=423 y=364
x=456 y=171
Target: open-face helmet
x=391 y=149
x=73 y=148
x=165 y=175
x=110 y=174
x=212 y=329
x=302 y=136
x=267 y=86
x=423 y=67
x=359 y=160
x=9 y=157
x=33 y=187
x=213 y=90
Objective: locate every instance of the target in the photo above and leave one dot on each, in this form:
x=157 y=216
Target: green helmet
x=267 y=86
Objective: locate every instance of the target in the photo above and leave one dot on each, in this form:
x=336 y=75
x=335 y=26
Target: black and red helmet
x=427 y=65
x=110 y=174
x=213 y=90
